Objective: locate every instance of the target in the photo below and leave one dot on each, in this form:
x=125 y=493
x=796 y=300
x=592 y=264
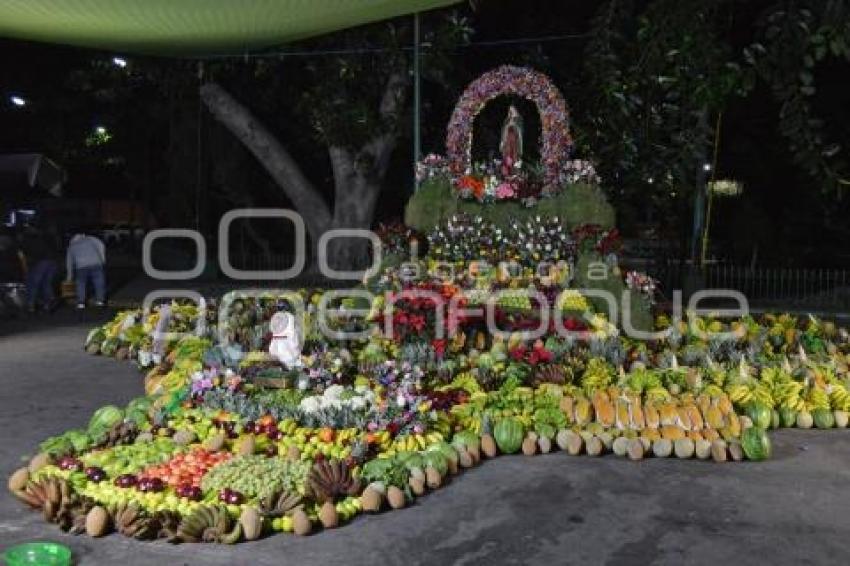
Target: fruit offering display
x=228 y=444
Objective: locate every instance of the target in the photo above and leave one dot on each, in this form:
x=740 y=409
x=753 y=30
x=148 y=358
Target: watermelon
x=509 y=434
x=755 y=442
x=775 y=420
x=104 y=419
x=787 y=417
x=823 y=418
x=760 y=414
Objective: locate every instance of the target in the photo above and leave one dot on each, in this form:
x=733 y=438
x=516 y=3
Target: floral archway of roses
x=523 y=82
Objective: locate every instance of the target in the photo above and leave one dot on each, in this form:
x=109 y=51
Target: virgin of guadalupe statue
x=511 y=144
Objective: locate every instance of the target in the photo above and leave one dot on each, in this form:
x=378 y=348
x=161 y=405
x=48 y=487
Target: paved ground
x=514 y=510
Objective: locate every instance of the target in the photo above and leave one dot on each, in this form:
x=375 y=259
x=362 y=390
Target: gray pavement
x=514 y=510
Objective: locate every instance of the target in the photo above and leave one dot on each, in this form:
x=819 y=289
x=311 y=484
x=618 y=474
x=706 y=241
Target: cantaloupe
x=662 y=448
x=805 y=420
x=594 y=446
x=702 y=449
x=635 y=449
x=620 y=446
x=718 y=450
x=684 y=448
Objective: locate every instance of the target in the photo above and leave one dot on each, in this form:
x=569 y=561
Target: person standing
x=86 y=262
x=38 y=255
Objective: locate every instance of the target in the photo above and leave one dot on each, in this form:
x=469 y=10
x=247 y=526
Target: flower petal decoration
x=519 y=81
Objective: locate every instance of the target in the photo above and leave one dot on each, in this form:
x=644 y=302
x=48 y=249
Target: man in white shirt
x=86 y=261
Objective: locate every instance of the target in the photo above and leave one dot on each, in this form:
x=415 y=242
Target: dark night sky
x=780 y=204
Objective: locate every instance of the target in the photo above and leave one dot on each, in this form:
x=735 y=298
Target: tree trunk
x=357 y=175
x=272 y=155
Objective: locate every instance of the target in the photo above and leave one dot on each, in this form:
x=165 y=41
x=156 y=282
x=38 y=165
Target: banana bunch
x=816 y=398
x=763 y=395
x=788 y=395
x=209 y=524
x=713 y=390
x=409 y=443
x=839 y=397
x=130 y=520
x=739 y=394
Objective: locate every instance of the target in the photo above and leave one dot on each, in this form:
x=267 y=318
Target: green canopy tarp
x=192 y=26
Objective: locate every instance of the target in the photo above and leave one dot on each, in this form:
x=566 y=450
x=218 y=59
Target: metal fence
x=770 y=286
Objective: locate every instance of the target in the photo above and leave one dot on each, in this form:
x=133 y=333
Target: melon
x=735 y=451
x=787 y=417
x=529 y=446
x=574 y=444
x=760 y=414
x=823 y=418
x=702 y=449
x=635 y=449
x=620 y=446
x=662 y=448
x=804 y=419
x=544 y=444
x=328 y=515
x=684 y=448
x=509 y=435
x=718 y=450
x=594 y=446
x=756 y=443
x=841 y=419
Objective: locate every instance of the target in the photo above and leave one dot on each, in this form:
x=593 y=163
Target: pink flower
x=505 y=190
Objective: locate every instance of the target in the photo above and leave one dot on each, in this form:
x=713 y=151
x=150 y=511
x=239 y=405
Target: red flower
x=439 y=347
x=518 y=354
x=417 y=322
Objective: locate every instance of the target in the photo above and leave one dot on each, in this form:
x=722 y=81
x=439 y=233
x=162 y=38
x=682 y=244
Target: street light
x=119 y=61
x=100 y=130
x=18 y=101
x=706 y=167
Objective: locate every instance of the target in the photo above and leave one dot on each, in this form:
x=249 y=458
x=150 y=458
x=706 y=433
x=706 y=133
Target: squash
x=509 y=435
x=760 y=414
x=823 y=418
x=756 y=443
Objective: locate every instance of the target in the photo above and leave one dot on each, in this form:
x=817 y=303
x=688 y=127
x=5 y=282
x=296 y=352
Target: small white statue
x=286 y=344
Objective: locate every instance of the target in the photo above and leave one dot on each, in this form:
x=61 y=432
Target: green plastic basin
x=38 y=553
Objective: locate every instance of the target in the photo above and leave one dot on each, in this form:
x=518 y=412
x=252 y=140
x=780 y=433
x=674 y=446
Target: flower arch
x=519 y=81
